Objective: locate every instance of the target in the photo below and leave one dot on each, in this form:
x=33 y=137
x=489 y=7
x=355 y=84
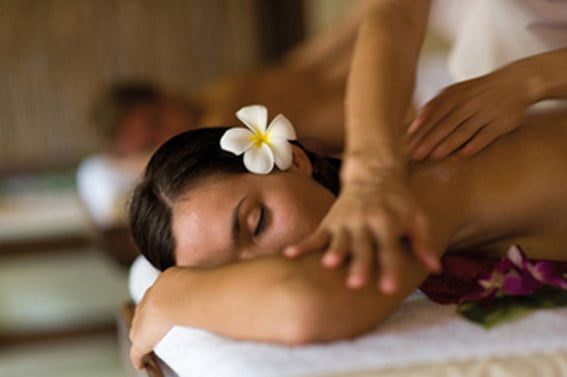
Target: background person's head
x=197 y=205
x=136 y=117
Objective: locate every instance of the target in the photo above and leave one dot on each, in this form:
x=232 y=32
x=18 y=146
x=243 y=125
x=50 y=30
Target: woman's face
x=237 y=217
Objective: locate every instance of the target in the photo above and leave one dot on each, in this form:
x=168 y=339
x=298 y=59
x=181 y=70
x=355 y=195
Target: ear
x=301 y=163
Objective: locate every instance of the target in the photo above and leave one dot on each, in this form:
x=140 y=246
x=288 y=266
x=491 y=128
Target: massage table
x=421 y=338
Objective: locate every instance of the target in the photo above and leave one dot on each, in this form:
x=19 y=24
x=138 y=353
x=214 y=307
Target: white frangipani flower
x=262 y=147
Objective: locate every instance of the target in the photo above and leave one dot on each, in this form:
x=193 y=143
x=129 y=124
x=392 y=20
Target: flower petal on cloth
x=259 y=160
x=283 y=153
x=254 y=117
x=281 y=127
x=236 y=140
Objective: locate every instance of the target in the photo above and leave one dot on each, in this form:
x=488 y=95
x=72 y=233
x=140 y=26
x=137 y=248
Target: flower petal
x=504 y=266
x=236 y=140
x=254 y=117
x=549 y=273
x=520 y=285
x=281 y=127
x=259 y=160
x=283 y=153
x=517 y=256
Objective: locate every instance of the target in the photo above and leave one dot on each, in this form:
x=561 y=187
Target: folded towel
x=419 y=332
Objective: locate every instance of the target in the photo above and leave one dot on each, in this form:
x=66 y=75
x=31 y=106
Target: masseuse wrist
x=535 y=82
x=364 y=166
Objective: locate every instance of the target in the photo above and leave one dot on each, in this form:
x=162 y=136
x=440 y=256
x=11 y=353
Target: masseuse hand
x=367 y=223
x=148 y=326
x=470 y=115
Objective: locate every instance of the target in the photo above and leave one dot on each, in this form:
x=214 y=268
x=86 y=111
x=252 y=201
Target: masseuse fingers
x=419 y=233
x=458 y=138
x=434 y=142
x=420 y=148
x=389 y=257
x=338 y=249
x=317 y=241
x=431 y=113
x=483 y=138
x=362 y=251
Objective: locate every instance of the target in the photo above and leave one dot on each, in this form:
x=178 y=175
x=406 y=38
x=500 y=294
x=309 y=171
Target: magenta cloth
x=459 y=277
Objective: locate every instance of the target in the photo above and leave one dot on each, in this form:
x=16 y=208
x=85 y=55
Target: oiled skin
x=510 y=193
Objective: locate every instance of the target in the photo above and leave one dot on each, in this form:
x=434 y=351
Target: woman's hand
x=148 y=326
x=471 y=114
x=367 y=226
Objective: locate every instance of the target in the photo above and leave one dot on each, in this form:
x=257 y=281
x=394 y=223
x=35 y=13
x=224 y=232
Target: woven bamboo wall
x=56 y=54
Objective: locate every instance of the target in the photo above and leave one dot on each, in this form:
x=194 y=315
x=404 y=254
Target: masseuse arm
x=376 y=207
x=267 y=299
x=471 y=114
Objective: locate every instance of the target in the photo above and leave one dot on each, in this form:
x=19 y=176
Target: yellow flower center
x=260 y=138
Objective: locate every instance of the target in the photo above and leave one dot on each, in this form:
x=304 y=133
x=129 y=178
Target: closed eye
x=261 y=222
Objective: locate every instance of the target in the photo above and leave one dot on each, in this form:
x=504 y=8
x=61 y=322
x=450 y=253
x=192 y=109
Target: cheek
x=301 y=217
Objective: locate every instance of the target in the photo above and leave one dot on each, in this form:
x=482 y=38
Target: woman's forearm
x=382 y=78
x=278 y=300
x=246 y=300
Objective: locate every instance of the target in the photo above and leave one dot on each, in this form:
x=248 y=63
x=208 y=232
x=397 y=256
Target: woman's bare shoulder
x=518 y=186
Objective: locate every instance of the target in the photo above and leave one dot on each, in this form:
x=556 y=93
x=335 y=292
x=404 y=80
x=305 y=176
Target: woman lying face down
x=218 y=231
x=198 y=206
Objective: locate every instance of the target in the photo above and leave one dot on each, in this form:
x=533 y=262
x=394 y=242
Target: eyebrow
x=236 y=221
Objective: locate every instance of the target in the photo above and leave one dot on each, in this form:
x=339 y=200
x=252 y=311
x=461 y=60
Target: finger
x=425 y=112
x=389 y=259
x=337 y=251
x=317 y=241
x=450 y=124
x=422 y=244
x=414 y=125
x=137 y=357
x=362 y=252
x=434 y=112
x=479 y=141
x=458 y=138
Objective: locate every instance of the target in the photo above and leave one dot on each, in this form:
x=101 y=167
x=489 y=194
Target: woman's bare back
x=511 y=193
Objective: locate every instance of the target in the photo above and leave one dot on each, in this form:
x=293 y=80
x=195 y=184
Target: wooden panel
x=56 y=55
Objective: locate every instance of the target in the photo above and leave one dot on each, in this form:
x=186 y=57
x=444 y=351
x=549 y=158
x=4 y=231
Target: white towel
x=419 y=332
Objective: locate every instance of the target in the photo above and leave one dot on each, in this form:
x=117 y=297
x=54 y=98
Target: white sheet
x=420 y=332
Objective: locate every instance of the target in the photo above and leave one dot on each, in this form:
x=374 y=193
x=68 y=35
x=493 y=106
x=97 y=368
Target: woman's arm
x=376 y=207
x=267 y=299
x=471 y=114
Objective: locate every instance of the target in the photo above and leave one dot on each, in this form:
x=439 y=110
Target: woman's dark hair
x=179 y=164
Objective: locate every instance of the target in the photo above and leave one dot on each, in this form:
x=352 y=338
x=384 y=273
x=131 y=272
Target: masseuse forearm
x=382 y=78
x=277 y=300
